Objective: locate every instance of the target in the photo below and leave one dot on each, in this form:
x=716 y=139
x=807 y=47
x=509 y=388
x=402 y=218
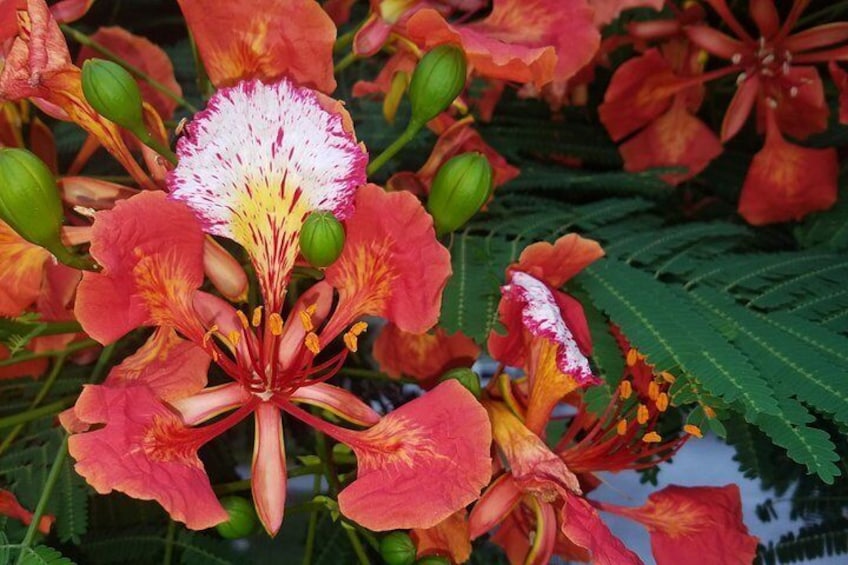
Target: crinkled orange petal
x=424 y=357
x=22 y=272
x=786 y=181
x=144 y=55
x=557 y=263
x=142 y=451
x=392 y=264
x=151 y=250
x=9 y=506
x=421 y=463
x=448 y=538
x=675 y=139
x=267 y=40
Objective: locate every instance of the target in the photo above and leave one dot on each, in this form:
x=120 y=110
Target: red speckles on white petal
x=543 y=318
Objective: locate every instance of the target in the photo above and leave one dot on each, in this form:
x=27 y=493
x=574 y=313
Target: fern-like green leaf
x=43 y=555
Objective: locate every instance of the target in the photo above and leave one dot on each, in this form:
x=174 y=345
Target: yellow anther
x=243 y=319
x=311 y=309
x=642 y=414
x=662 y=402
x=351 y=341
x=234 y=338
x=275 y=322
x=653 y=390
x=709 y=412
x=208 y=335
x=632 y=357
x=257 y=316
x=306 y=320
x=312 y=342
x=652 y=437
x=626 y=389
x=693 y=431
x=358 y=328
x=668 y=377
x=621 y=427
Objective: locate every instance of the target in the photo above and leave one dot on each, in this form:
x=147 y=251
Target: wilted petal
x=144 y=451
x=449 y=538
x=267 y=40
x=421 y=463
x=257 y=161
x=392 y=264
x=151 y=251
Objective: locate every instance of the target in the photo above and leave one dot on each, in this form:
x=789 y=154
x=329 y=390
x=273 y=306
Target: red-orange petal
x=608 y=10
x=392 y=264
x=557 y=263
x=448 y=538
x=142 y=451
x=421 y=463
x=267 y=40
x=840 y=78
x=9 y=506
x=268 y=475
x=151 y=250
x=582 y=525
x=23 y=268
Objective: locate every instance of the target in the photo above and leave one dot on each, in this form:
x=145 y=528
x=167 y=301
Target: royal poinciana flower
x=252 y=166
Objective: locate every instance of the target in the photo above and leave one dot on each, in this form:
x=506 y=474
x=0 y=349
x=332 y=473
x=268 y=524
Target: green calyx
x=397 y=548
x=243 y=520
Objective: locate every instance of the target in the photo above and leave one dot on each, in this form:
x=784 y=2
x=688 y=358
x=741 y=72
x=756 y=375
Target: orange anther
x=306 y=321
x=626 y=389
x=275 y=323
x=621 y=427
x=234 y=337
x=351 y=341
x=693 y=431
x=257 y=316
x=652 y=437
x=653 y=390
x=243 y=319
x=358 y=328
x=642 y=414
x=662 y=402
x=668 y=377
x=632 y=357
x=312 y=342
x=709 y=412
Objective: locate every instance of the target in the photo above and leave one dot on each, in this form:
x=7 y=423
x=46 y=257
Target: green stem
x=398 y=144
x=313 y=524
x=52 y=479
x=344 y=40
x=357 y=547
x=66 y=257
x=71 y=348
x=169 y=543
x=36 y=413
x=345 y=62
x=42 y=392
x=83 y=39
x=146 y=138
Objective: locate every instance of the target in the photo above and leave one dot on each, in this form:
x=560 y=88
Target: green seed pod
x=29 y=198
x=459 y=190
x=243 y=520
x=433 y=560
x=466 y=378
x=113 y=93
x=321 y=239
x=437 y=80
x=397 y=548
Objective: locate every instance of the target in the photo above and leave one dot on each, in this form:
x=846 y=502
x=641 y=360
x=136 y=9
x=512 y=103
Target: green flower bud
x=466 y=378
x=29 y=198
x=433 y=560
x=113 y=93
x=437 y=80
x=242 y=520
x=397 y=548
x=321 y=239
x=459 y=190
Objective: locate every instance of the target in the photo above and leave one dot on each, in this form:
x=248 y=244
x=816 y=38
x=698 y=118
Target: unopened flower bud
x=433 y=560
x=113 y=93
x=321 y=239
x=242 y=520
x=466 y=378
x=29 y=198
x=397 y=548
x=459 y=190
x=437 y=80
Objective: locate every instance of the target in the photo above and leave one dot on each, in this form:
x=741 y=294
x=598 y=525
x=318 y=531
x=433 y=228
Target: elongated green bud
x=397 y=548
x=242 y=520
x=113 y=93
x=437 y=80
x=29 y=198
x=466 y=378
x=321 y=239
x=459 y=190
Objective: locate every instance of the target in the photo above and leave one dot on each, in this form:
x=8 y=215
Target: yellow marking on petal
x=652 y=437
x=243 y=319
x=621 y=427
x=257 y=317
x=662 y=402
x=312 y=343
x=234 y=337
x=306 y=321
x=668 y=377
x=709 y=412
x=693 y=431
x=632 y=357
x=653 y=390
x=626 y=389
x=275 y=322
x=642 y=414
